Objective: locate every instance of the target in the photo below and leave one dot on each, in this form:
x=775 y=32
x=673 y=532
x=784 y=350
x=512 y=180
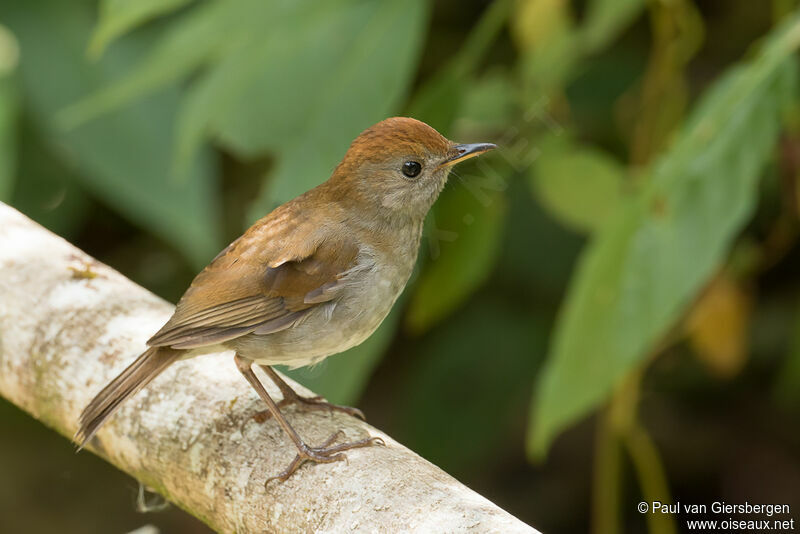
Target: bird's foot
x=309 y=403
x=325 y=453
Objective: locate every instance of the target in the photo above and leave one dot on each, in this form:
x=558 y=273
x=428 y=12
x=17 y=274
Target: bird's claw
x=324 y=453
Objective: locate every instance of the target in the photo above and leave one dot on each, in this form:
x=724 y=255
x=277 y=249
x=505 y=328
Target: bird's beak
x=464 y=152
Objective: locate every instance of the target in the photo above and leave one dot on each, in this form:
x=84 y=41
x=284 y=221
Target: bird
x=313 y=278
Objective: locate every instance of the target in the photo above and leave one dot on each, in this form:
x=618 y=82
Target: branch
x=68 y=324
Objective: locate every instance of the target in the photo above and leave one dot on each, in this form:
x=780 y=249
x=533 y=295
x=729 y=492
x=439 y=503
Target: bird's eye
x=411 y=168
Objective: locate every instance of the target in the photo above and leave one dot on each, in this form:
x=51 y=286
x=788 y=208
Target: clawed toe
x=325 y=453
x=322 y=448
x=352 y=445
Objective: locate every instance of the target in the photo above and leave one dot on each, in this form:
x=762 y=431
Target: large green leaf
x=263 y=93
x=189 y=43
x=122 y=157
x=646 y=265
x=297 y=78
x=120 y=16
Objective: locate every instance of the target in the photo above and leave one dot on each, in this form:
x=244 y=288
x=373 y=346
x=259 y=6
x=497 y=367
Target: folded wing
x=253 y=288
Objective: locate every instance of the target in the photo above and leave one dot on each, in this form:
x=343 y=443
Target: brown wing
x=252 y=287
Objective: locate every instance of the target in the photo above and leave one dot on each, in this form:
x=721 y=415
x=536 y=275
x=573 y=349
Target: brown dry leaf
x=717 y=326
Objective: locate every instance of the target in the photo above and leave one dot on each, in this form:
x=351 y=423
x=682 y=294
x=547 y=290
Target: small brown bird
x=313 y=278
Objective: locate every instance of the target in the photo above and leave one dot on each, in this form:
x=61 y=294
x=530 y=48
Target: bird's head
x=400 y=165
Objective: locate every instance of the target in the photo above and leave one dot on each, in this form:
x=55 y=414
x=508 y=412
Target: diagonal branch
x=69 y=324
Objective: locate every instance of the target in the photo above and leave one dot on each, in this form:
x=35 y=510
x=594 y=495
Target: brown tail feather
x=136 y=376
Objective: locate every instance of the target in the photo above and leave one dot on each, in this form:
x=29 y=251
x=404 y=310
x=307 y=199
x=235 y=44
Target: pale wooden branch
x=68 y=324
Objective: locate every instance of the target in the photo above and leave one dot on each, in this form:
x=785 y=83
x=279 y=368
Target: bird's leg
x=290 y=396
x=325 y=453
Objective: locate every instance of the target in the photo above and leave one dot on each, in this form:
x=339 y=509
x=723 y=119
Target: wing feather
x=241 y=293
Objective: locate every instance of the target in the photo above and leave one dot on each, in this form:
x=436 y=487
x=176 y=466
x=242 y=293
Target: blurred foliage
x=9 y=104
x=117 y=17
x=630 y=251
x=460 y=261
x=634 y=279
x=264 y=63
x=718 y=326
x=786 y=390
x=123 y=156
x=581 y=187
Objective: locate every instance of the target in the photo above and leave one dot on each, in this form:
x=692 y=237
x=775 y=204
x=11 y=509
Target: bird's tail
x=136 y=376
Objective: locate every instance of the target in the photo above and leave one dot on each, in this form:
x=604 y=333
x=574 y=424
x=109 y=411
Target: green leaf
x=123 y=157
x=228 y=101
x=9 y=108
x=464 y=234
x=118 y=17
x=187 y=44
x=297 y=78
x=646 y=265
x=341 y=378
x=579 y=186
x=351 y=62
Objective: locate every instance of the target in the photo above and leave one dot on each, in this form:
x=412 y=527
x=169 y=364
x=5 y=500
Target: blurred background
x=605 y=310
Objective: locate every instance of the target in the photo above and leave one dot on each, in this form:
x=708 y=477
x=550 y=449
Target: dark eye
x=411 y=168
